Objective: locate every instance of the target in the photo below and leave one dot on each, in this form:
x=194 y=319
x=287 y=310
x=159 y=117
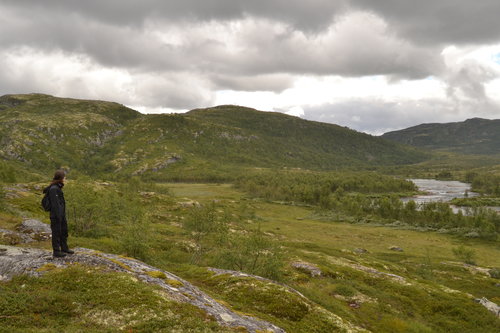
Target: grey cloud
x=303 y=14
x=468 y=79
x=439 y=22
x=175 y=90
x=279 y=39
x=108 y=45
x=272 y=82
x=425 y=21
x=359 y=44
x=378 y=117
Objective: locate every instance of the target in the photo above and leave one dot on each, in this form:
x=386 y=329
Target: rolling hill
x=472 y=136
x=42 y=132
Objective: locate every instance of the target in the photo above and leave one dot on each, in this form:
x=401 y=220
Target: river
x=442 y=190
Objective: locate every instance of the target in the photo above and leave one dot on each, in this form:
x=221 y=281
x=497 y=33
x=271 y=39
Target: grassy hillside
x=102 y=138
x=43 y=132
x=290 y=141
x=473 y=136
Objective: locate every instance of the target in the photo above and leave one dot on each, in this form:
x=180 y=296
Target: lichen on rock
x=17 y=261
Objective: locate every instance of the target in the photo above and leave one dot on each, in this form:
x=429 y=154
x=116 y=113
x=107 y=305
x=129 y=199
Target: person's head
x=59 y=177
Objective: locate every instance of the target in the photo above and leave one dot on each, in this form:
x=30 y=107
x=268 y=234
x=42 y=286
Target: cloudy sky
x=373 y=66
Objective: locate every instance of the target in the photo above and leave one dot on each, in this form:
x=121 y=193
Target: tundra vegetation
x=255 y=227
x=384 y=265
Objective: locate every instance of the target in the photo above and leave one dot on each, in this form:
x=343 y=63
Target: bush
x=7 y=173
x=465 y=254
x=253 y=253
x=84 y=209
x=207 y=228
x=345 y=290
x=135 y=239
x=2 y=197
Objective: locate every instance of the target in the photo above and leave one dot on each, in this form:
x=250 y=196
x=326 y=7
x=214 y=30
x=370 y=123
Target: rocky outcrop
x=290 y=299
x=492 y=307
x=232 y=273
x=306 y=267
x=156 y=165
x=28 y=231
x=369 y=270
x=15 y=261
x=35 y=229
x=13 y=237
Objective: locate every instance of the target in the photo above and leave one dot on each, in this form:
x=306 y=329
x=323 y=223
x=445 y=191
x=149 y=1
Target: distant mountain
x=473 y=136
x=97 y=137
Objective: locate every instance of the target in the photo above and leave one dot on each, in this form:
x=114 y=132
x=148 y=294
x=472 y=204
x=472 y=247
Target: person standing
x=58 y=222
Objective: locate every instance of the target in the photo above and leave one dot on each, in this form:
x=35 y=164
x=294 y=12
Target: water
x=440 y=190
x=443 y=191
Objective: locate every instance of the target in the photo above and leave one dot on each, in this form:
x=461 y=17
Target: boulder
x=35 y=229
x=306 y=267
x=189 y=204
x=492 y=307
x=12 y=237
x=396 y=248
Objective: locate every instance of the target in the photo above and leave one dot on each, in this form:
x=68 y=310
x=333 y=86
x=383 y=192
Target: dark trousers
x=59 y=234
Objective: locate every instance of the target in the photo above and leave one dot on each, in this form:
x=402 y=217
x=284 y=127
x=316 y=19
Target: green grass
x=423 y=262
x=366 y=300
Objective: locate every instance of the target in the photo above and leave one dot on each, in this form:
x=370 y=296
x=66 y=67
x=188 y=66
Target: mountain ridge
x=98 y=137
x=471 y=136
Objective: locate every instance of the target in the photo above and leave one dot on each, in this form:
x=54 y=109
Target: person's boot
x=67 y=251
x=65 y=248
x=59 y=254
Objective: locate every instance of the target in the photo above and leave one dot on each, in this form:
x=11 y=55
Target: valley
x=296 y=223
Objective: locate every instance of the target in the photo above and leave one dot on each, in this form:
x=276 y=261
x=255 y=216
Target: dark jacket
x=57 y=202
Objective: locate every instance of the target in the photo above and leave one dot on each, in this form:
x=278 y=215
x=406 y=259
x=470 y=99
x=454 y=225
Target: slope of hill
x=43 y=132
x=96 y=137
x=473 y=136
x=293 y=141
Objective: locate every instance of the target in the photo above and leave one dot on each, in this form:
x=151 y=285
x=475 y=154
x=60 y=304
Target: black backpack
x=46 y=201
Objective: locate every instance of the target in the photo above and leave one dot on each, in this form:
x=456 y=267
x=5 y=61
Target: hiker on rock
x=58 y=222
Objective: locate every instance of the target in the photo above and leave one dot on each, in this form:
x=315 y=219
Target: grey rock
x=360 y=250
x=309 y=268
x=36 y=229
x=165 y=163
x=492 y=307
x=15 y=261
x=396 y=248
x=13 y=237
x=219 y=271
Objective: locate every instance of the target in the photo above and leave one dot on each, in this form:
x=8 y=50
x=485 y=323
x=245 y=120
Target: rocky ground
x=31 y=261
